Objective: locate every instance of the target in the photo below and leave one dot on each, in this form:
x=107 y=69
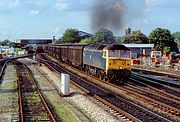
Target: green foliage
x=17 y=49
x=71 y=36
x=86 y=41
x=177 y=36
x=136 y=37
x=120 y=39
x=167 y=50
x=104 y=35
x=177 y=41
x=6 y=42
x=163 y=38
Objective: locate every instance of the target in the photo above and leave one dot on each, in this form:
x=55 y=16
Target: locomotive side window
x=124 y=54
x=114 y=53
x=104 y=53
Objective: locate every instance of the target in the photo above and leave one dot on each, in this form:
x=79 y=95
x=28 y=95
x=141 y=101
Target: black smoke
x=107 y=14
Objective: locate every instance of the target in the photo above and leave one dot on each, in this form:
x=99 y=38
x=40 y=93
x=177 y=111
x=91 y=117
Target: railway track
x=155 y=71
x=4 y=62
x=32 y=105
x=118 y=112
x=163 y=109
x=117 y=100
x=3 y=66
x=156 y=94
x=154 y=83
x=172 y=81
x=159 y=91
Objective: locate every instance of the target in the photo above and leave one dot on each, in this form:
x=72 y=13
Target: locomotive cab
x=118 y=62
x=117 y=59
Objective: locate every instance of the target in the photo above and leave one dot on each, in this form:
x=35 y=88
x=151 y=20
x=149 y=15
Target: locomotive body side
x=94 y=58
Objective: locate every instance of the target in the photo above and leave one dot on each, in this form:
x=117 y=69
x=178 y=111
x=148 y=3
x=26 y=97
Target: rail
x=3 y=64
x=32 y=105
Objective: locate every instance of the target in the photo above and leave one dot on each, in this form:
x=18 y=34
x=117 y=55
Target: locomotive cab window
x=125 y=54
x=114 y=53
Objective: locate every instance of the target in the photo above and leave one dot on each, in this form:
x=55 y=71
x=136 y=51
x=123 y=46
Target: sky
x=48 y=18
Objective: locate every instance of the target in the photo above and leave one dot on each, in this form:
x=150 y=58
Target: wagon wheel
x=101 y=75
x=87 y=70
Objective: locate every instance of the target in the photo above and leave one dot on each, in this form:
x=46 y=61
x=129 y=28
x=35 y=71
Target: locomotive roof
x=95 y=46
x=107 y=46
x=116 y=46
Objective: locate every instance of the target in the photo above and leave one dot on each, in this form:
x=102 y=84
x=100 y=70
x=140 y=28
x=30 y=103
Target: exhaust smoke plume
x=107 y=14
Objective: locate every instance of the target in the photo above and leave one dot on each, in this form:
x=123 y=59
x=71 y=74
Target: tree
x=86 y=41
x=6 y=42
x=71 y=36
x=176 y=35
x=136 y=37
x=120 y=39
x=167 y=50
x=104 y=35
x=163 y=38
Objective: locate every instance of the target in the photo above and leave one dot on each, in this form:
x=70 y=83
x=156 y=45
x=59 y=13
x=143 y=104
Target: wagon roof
x=70 y=44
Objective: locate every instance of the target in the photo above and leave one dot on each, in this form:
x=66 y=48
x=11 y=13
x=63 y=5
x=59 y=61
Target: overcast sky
x=46 y=18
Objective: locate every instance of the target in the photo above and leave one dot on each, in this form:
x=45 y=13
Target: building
x=7 y=51
x=84 y=35
x=32 y=43
x=141 y=52
x=127 y=31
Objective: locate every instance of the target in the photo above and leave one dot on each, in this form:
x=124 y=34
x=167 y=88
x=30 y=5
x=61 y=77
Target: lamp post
x=54 y=40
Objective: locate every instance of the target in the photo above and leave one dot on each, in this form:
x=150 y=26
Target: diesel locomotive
x=109 y=62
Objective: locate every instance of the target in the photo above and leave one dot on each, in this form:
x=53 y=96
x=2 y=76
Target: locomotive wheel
x=106 y=79
x=112 y=78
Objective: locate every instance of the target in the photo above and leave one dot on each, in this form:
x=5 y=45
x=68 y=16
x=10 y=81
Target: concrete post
x=65 y=84
x=34 y=57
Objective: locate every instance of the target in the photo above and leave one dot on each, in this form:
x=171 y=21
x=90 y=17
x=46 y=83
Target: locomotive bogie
x=118 y=75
